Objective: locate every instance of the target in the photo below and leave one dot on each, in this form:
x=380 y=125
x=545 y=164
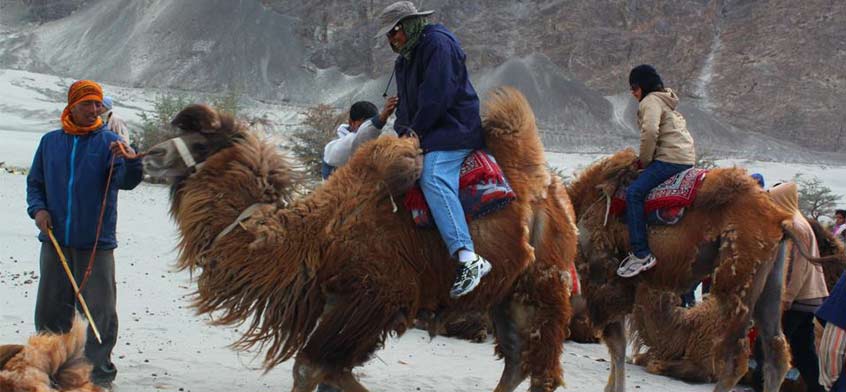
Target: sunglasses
x=394 y=30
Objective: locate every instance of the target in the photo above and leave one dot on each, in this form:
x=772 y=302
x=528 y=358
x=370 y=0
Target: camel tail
x=790 y=233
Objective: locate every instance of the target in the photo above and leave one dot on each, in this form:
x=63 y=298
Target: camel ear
x=8 y=352
x=197 y=118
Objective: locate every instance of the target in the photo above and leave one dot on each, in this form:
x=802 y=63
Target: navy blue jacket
x=68 y=178
x=436 y=99
x=833 y=310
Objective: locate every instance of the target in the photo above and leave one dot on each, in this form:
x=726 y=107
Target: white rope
x=244 y=216
x=184 y=152
x=393 y=204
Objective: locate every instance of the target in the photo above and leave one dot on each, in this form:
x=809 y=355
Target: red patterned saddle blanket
x=482 y=186
x=665 y=204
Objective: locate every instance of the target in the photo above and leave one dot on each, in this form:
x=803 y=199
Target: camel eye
x=199 y=148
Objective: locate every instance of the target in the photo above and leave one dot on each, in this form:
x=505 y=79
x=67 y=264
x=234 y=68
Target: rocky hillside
x=755 y=77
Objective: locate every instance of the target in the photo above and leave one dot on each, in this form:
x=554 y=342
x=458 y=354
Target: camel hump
x=196 y=118
x=512 y=137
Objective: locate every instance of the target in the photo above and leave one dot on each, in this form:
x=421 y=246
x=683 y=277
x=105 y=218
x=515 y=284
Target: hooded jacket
x=436 y=99
x=68 y=178
x=805 y=287
x=663 y=130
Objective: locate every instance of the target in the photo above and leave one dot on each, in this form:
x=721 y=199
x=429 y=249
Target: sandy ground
x=163 y=345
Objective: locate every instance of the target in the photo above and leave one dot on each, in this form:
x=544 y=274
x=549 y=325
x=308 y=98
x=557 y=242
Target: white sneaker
x=633 y=265
x=468 y=276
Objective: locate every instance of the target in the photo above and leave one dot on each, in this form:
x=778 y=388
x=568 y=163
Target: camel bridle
x=185 y=154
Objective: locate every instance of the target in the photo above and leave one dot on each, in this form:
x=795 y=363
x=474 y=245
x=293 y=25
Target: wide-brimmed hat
x=395 y=13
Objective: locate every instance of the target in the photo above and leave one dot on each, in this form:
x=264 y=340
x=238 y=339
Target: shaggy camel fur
x=732 y=230
x=326 y=278
x=678 y=341
x=48 y=363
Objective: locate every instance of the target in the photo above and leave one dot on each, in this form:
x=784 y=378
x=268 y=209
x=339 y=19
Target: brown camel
x=48 y=363
x=678 y=341
x=732 y=230
x=327 y=277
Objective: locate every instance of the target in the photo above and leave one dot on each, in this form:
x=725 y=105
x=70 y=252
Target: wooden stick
x=75 y=287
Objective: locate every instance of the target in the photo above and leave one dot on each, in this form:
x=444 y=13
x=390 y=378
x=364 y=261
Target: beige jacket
x=805 y=285
x=663 y=130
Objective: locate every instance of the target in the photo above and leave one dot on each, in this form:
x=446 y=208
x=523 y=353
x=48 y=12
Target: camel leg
x=739 y=282
x=615 y=338
x=768 y=321
x=306 y=375
x=543 y=317
x=510 y=345
x=342 y=381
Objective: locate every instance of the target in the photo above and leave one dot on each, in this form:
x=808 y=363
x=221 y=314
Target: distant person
x=804 y=291
x=759 y=178
x=364 y=124
x=832 y=352
x=64 y=191
x=115 y=123
x=666 y=149
x=839 y=229
x=439 y=104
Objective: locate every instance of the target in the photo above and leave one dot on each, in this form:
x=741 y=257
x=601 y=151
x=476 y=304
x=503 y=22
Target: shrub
x=815 y=199
x=317 y=129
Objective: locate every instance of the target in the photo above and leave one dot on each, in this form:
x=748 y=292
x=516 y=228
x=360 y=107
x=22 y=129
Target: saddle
x=482 y=189
x=665 y=204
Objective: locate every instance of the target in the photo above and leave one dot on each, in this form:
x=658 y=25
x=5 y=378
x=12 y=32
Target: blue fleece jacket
x=68 y=178
x=436 y=99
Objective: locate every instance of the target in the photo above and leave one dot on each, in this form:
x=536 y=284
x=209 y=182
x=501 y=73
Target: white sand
x=163 y=346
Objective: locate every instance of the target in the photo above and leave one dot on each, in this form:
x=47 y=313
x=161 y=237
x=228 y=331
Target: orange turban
x=81 y=91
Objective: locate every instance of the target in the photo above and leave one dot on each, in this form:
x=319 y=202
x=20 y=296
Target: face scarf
x=81 y=91
x=413 y=28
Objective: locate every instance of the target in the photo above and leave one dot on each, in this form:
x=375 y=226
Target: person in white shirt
x=115 y=123
x=365 y=124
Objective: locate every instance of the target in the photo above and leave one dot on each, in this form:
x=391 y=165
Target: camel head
x=204 y=132
x=392 y=161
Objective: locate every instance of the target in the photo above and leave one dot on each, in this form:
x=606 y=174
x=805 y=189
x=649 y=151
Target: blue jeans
x=439 y=182
x=654 y=174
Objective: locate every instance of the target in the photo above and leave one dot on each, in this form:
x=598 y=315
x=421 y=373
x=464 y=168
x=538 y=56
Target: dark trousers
x=799 y=330
x=55 y=305
x=654 y=174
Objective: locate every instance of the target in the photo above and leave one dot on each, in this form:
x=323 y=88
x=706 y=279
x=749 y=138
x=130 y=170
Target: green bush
x=317 y=129
x=155 y=125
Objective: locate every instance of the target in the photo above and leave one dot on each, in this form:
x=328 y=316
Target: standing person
x=115 y=123
x=839 y=229
x=365 y=124
x=804 y=292
x=65 y=187
x=438 y=103
x=833 y=343
x=666 y=149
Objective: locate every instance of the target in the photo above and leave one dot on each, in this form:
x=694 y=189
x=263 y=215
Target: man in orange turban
x=65 y=188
